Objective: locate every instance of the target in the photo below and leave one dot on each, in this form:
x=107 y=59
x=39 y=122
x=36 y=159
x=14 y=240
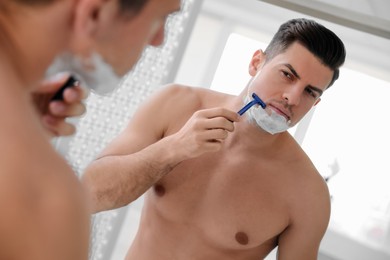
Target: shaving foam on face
x=96 y=74
x=268 y=120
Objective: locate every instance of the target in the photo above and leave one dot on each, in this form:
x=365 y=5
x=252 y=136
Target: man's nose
x=158 y=37
x=292 y=96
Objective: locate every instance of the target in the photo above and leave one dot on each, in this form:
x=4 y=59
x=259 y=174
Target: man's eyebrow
x=320 y=91
x=294 y=72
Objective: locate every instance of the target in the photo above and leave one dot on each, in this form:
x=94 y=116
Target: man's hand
x=205 y=131
x=53 y=113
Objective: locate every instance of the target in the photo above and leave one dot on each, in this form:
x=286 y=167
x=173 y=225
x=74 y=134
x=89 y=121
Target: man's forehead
x=295 y=49
x=299 y=60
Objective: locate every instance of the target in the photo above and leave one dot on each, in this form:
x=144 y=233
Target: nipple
x=159 y=190
x=242 y=238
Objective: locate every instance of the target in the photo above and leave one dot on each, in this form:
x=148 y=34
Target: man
x=45 y=214
x=226 y=187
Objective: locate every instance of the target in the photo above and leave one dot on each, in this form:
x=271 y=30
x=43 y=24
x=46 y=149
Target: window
x=348 y=141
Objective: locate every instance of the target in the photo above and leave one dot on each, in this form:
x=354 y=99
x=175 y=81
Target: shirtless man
x=45 y=214
x=224 y=186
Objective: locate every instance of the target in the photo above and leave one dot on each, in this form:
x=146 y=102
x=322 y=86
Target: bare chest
x=235 y=202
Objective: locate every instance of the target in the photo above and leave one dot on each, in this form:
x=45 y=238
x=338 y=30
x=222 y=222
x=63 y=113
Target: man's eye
x=311 y=92
x=287 y=75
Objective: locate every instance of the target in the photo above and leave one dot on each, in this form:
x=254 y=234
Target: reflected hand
x=54 y=113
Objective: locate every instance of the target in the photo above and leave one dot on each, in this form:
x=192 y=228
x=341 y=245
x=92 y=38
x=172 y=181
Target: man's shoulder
x=186 y=97
x=308 y=172
x=298 y=157
x=185 y=91
x=311 y=190
x=306 y=176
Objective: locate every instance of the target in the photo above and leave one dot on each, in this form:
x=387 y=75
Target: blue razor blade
x=256 y=101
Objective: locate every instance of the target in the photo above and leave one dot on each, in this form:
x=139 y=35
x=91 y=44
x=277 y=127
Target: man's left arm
x=308 y=223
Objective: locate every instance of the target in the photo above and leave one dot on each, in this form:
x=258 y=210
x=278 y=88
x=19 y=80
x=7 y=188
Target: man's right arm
x=114 y=181
x=146 y=150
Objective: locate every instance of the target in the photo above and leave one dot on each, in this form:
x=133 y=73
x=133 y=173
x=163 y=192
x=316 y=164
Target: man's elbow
x=91 y=187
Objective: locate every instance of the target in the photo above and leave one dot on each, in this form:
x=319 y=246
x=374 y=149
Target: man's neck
x=251 y=135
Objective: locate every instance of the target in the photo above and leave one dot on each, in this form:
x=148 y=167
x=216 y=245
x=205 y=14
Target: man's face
x=291 y=83
x=122 y=39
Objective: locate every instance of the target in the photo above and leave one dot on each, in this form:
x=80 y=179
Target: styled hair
x=319 y=40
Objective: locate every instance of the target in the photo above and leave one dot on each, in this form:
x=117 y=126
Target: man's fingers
x=219 y=122
x=219 y=112
x=57 y=126
x=54 y=83
x=75 y=94
x=61 y=109
x=216 y=134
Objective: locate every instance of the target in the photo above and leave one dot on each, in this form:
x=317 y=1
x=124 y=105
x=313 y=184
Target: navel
x=242 y=238
x=159 y=190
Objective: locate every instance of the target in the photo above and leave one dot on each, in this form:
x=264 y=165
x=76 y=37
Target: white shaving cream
x=267 y=119
x=95 y=73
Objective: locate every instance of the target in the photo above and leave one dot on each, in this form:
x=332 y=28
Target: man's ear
x=256 y=62
x=85 y=24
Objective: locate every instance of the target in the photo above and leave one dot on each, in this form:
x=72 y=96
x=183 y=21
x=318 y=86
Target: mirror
x=345 y=136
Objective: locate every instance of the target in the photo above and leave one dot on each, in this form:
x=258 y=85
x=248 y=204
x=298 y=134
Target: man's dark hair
x=318 y=39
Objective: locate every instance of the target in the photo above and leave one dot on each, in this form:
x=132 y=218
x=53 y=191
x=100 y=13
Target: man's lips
x=281 y=111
